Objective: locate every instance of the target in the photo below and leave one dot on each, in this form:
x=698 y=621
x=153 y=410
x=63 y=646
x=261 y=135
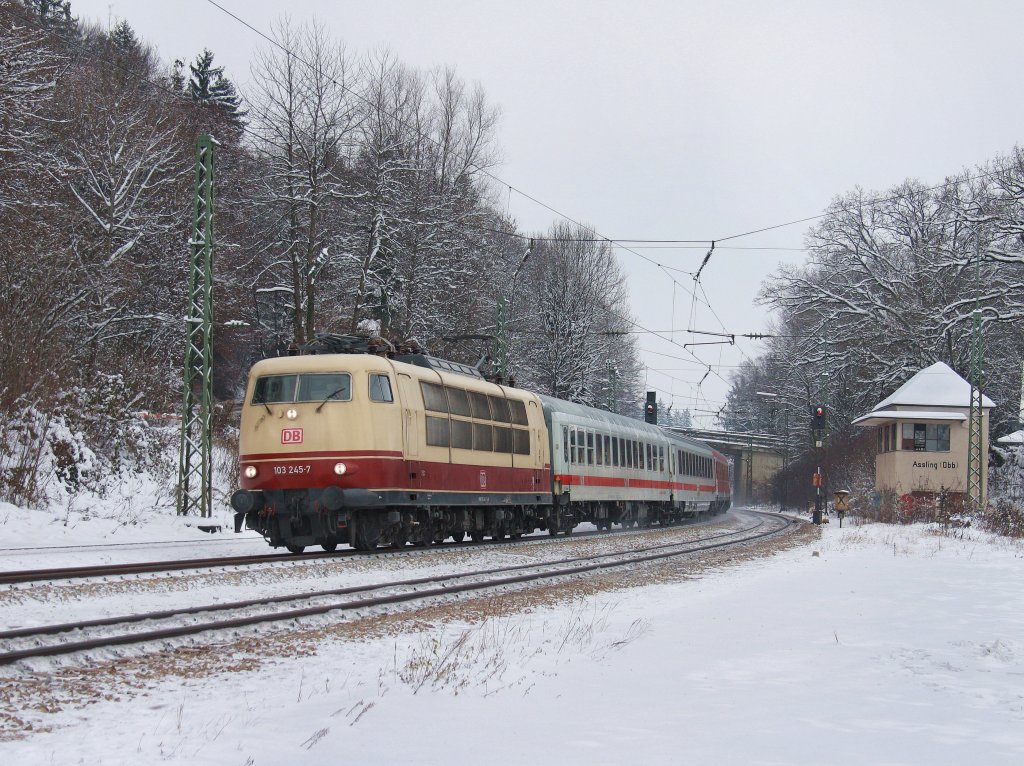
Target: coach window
x=434 y=398
x=615 y=452
x=502 y=439
x=437 y=432
x=600 y=450
x=499 y=409
x=590 y=447
x=572 y=448
x=482 y=440
x=661 y=458
x=520 y=441
x=565 y=445
x=458 y=402
x=462 y=434
x=380 y=388
x=481 y=410
x=518 y=410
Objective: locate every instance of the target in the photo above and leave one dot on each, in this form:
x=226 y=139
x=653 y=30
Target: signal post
x=818 y=434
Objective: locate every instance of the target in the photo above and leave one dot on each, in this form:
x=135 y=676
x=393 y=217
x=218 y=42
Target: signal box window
x=921 y=437
x=380 y=389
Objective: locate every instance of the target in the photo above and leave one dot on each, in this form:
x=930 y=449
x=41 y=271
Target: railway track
x=25 y=576
x=31 y=643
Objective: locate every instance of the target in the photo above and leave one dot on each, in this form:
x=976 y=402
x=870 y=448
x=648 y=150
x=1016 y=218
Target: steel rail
x=623 y=558
x=23 y=576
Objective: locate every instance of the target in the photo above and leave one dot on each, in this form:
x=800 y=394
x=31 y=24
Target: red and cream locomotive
x=371 y=449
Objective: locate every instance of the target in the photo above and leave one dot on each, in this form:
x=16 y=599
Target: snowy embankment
x=874 y=644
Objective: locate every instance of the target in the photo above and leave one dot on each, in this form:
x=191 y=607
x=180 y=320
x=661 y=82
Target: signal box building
x=922 y=437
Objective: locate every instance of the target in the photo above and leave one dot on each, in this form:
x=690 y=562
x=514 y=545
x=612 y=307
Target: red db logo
x=291 y=436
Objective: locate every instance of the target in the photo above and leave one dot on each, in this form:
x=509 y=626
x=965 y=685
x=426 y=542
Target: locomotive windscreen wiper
x=331 y=395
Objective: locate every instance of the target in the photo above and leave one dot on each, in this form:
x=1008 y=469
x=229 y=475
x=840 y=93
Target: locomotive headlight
x=250 y=472
x=292 y=414
x=340 y=468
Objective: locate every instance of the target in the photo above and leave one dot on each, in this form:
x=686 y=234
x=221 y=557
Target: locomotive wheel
x=552 y=531
x=399 y=539
x=296 y=549
x=477 y=537
x=366 y=534
x=458 y=536
x=329 y=547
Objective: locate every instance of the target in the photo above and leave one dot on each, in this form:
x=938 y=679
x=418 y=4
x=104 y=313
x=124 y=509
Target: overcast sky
x=653 y=119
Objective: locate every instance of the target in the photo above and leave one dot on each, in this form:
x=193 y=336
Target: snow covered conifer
x=209 y=86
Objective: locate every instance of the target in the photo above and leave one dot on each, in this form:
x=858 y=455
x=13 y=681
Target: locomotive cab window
x=380 y=388
x=275 y=389
x=325 y=387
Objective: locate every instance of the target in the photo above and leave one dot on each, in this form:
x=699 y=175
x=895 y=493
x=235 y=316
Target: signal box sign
x=291 y=436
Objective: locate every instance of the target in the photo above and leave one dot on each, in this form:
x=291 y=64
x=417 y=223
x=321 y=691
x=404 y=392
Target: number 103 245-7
x=281 y=470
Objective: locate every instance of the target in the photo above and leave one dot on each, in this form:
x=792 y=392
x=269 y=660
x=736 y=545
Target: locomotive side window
x=518 y=409
x=458 y=402
x=520 y=441
x=462 y=434
x=275 y=389
x=499 y=409
x=434 y=398
x=502 y=439
x=482 y=437
x=481 y=409
x=437 y=432
x=380 y=388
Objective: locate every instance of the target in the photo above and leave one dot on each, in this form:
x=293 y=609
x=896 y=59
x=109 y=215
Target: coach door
x=410 y=422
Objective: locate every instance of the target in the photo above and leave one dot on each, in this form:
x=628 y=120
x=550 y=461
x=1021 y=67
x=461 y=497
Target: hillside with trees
x=351 y=190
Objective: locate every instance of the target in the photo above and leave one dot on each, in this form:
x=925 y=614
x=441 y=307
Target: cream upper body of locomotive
x=381 y=411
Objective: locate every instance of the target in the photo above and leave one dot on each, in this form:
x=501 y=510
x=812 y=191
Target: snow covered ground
x=874 y=644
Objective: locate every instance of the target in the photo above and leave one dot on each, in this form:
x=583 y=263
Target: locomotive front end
x=316 y=431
